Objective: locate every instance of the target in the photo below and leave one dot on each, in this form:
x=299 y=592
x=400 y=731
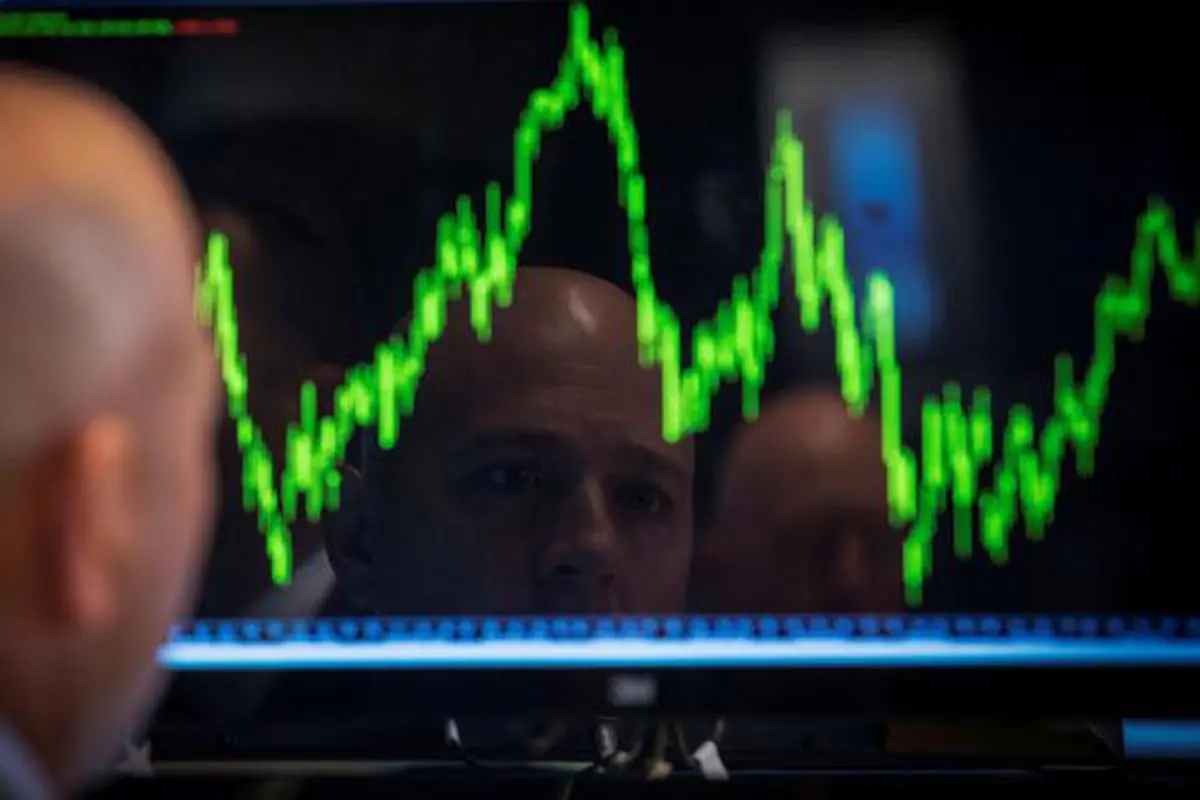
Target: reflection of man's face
x=533 y=477
x=801 y=521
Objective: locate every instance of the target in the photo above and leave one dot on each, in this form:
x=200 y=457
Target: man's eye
x=509 y=477
x=644 y=498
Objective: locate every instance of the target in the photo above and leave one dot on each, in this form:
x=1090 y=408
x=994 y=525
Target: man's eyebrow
x=651 y=460
x=527 y=438
x=637 y=455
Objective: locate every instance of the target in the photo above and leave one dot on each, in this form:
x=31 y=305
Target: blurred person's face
x=106 y=491
x=533 y=477
x=801 y=523
x=164 y=483
x=112 y=519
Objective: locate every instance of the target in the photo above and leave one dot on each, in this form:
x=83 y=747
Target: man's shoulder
x=20 y=774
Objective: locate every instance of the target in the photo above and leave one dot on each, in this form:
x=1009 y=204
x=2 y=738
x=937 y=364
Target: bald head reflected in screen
x=801 y=521
x=533 y=476
x=107 y=409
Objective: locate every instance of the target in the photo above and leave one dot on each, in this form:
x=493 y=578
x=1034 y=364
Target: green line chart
x=961 y=443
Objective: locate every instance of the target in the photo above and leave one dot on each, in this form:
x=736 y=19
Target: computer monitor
x=638 y=357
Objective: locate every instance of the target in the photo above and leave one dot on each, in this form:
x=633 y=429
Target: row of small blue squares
x=767 y=627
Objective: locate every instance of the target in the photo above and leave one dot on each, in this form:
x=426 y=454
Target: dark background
x=346 y=133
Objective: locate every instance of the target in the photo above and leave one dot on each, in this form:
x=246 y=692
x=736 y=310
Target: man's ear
x=85 y=519
x=348 y=541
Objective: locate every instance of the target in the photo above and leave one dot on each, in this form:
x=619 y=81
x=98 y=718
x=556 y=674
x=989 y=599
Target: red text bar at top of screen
x=206 y=27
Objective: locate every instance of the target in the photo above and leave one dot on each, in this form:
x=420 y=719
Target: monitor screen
x=590 y=336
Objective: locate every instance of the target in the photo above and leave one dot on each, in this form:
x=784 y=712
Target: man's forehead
x=516 y=377
x=612 y=441
x=564 y=356
x=800 y=456
x=587 y=404
x=534 y=343
x=573 y=393
x=561 y=405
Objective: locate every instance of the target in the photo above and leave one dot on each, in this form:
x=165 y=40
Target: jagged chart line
x=478 y=262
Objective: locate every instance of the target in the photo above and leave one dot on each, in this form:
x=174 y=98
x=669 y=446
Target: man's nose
x=578 y=571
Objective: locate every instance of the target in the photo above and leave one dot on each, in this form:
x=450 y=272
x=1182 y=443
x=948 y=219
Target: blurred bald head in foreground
x=801 y=522
x=533 y=476
x=107 y=401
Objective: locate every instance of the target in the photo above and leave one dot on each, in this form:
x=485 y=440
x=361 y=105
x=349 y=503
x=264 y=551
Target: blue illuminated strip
x=651 y=654
x=1161 y=738
x=627 y=654
x=684 y=641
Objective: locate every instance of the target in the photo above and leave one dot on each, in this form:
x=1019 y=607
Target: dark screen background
x=345 y=133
